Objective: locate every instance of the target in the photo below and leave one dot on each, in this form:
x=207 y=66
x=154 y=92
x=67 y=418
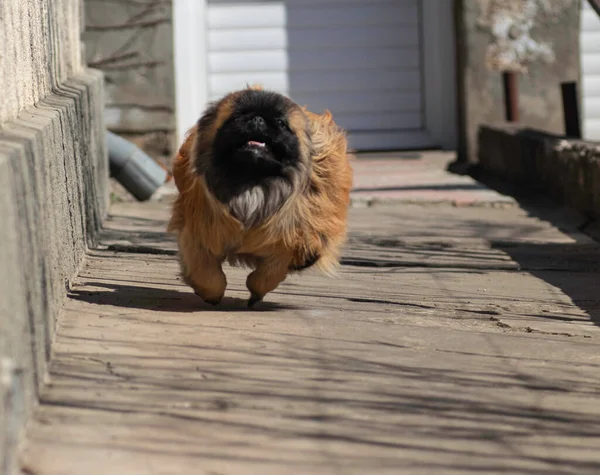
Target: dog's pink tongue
x=254 y=142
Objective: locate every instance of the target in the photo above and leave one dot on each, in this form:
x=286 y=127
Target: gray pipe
x=132 y=168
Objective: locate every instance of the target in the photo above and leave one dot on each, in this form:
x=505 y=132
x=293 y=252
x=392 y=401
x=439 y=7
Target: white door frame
x=437 y=53
x=190 y=58
x=589 y=59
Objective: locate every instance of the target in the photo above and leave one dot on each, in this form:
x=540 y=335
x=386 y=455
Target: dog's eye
x=282 y=123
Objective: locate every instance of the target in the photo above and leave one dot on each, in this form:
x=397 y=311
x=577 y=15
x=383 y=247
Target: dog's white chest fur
x=257 y=204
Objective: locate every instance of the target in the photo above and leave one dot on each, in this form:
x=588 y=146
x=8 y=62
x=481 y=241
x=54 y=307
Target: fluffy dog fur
x=276 y=211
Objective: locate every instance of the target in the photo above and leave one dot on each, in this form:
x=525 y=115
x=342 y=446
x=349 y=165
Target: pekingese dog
x=263 y=183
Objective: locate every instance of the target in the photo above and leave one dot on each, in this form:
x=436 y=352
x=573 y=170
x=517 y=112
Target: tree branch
x=112 y=59
x=128 y=26
x=124 y=67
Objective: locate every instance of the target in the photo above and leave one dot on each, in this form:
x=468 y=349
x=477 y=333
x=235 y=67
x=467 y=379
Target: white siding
x=247 y=44
x=358 y=58
x=590 y=71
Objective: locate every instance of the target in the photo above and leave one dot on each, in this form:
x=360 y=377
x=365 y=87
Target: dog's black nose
x=258 y=122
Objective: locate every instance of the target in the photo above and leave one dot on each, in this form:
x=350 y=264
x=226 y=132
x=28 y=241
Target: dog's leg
x=268 y=275
x=201 y=271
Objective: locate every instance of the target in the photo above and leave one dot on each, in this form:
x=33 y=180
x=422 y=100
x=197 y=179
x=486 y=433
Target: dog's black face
x=260 y=153
x=256 y=141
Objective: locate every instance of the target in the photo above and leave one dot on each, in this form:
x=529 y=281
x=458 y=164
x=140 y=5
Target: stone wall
x=539 y=39
x=567 y=170
x=53 y=176
x=132 y=43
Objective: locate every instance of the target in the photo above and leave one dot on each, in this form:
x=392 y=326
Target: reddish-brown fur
x=308 y=224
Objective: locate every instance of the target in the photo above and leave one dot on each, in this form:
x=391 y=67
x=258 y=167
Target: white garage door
x=590 y=71
x=358 y=58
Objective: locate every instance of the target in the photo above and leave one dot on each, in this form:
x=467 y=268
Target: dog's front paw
x=211 y=301
x=254 y=299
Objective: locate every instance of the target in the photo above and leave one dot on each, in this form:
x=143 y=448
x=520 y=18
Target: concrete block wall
x=567 y=170
x=53 y=191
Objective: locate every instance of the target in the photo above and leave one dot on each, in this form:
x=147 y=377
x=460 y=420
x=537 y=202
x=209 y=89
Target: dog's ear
x=182 y=159
x=299 y=123
x=328 y=139
x=255 y=87
x=205 y=132
x=207 y=127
